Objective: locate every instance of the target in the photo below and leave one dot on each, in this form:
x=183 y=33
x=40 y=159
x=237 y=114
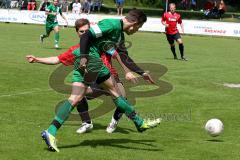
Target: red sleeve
x=67 y=58
x=179 y=20
x=106 y=59
x=163 y=17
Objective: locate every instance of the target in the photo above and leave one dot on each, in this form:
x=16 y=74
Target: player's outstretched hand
x=31 y=58
x=83 y=63
x=131 y=77
x=148 y=78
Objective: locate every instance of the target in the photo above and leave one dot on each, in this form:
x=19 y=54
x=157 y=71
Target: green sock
x=56 y=37
x=52 y=129
x=45 y=35
x=123 y=105
x=61 y=116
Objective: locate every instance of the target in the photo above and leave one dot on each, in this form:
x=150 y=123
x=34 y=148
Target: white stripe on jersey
x=97 y=30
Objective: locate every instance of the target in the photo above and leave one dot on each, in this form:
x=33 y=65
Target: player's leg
x=172 y=45
x=104 y=78
x=56 y=35
x=93 y=92
x=128 y=109
x=121 y=8
x=82 y=108
x=118 y=8
x=87 y=124
x=117 y=113
x=48 y=28
x=64 y=110
x=181 y=46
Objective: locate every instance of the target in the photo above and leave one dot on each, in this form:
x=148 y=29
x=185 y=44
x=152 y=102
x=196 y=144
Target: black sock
x=82 y=108
x=181 y=49
x=173 y=51
x=117 y=114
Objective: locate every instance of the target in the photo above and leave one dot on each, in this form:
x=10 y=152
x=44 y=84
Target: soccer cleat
x=41 y=38
x=147 y=124
x=112 y=126
x=50 y=141
x=86 y=127
x=184 y=59
x=56 y=46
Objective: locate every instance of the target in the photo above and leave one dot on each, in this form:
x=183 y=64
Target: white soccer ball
x=214 y=127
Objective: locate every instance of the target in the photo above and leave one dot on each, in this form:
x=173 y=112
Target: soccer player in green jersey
x=99 y=38
x=51 y=22
x=68 y=58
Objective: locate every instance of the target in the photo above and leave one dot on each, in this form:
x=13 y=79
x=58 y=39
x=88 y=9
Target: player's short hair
x=171 y=4
x=136 y=15
x=81 y=22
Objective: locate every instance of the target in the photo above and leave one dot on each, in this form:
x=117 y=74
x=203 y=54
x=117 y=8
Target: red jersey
x=172 y=20
x=67 y=58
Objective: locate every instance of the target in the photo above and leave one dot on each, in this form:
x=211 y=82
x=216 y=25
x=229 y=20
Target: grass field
x=27 y=101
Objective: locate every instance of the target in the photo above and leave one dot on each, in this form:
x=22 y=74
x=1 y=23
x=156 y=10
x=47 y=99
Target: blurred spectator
x=97 y=4
x=215 y=9
x=87 y=6
x=6 y=4
x=44 y=5
x=24 y=5
x=184 y=4
x=76 y=7
x=208 y=5
x=221 y=9
x=193 y=4
x=119 y=4
x=20 y=3
x=64 y=5
x=32 y=4
x=14 y=4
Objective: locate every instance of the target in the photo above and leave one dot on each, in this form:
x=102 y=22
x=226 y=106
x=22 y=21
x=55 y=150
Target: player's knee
x=180 y=41
x=74 y=100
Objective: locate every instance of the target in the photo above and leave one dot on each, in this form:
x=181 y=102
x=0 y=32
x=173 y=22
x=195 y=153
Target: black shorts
x=172 y=37
x=98 y=90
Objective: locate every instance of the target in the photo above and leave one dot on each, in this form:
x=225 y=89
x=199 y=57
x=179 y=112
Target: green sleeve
x=49 y=8
x=60 y=11
x=102 y=28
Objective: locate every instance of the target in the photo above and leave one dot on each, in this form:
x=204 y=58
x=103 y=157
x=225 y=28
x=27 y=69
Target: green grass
x=27 y=102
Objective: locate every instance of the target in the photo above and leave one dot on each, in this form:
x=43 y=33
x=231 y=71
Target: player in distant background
x=51 y=22
x=170 y=20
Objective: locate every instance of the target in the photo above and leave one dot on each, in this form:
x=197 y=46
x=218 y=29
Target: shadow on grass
x=97 y=126
x=215 y=140
x=53 y=48
x=123 y=143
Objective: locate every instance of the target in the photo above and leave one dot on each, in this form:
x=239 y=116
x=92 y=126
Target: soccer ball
x=214 y=127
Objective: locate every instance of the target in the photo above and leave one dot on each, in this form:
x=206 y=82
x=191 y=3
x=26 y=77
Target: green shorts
x=50 y=26
x=97 y=72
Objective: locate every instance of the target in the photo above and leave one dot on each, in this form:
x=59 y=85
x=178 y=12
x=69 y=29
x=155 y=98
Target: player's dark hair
x=136 y=15
x=81 y=22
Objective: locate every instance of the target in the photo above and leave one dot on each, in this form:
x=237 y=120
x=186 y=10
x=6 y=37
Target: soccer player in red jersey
x=170 y=20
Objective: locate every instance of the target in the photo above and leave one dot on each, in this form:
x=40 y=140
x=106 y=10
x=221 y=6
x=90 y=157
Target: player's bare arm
x=47 y=60
x=130 y=64
x=128 y=74
x=64 y=19
x=182 y=27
